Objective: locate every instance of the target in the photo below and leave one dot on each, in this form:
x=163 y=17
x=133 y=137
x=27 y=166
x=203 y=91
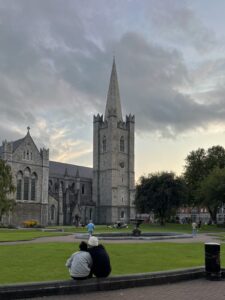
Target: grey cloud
x=53 y=69
x=176 y=21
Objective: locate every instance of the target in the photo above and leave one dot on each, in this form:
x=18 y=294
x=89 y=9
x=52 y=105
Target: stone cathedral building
x=55 y=193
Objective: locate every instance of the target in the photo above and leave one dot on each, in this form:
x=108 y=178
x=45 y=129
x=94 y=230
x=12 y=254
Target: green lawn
x=8 y=235
x=43 y=262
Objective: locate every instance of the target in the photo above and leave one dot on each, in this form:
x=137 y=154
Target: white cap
x=93 y=241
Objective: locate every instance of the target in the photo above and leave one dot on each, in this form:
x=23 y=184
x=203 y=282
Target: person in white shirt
x=194 y=229
x=80 y=263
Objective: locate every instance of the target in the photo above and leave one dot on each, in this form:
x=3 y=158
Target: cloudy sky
x=55 y=64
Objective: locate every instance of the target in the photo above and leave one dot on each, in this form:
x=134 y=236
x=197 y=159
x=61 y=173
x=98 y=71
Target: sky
x=55 y=64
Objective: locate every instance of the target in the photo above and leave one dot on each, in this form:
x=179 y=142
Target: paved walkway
x=199 y=289
x=200 y=238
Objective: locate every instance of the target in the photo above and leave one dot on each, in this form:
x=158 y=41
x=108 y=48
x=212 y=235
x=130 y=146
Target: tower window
x=104 y=144
x=122 y=144
x=82 y=189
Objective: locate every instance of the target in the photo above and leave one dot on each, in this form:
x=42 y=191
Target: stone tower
x=113 y=160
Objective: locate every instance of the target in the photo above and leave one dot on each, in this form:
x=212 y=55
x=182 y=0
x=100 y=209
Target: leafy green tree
x=198 y=166
x=6 y=189
x=212 y=191
x=160 y=193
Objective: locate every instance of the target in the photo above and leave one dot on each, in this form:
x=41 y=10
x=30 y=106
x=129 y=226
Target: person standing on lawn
x=90 y=228
x=194 y=229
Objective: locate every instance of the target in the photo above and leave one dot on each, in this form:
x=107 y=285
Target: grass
x=43 y=262
x=9 y=235
x=18 y=235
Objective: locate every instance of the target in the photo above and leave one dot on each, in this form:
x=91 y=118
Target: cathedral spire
x=113 y=105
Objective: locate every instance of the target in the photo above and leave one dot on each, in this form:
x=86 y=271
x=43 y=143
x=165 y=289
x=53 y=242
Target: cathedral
x=55 y=193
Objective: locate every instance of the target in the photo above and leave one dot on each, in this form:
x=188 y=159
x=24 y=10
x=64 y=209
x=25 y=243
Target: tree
x=160 y=193
x=198 y=166
x=6 y=189
x=212 y=191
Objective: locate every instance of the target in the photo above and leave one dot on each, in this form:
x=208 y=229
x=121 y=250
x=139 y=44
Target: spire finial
x=28 y=129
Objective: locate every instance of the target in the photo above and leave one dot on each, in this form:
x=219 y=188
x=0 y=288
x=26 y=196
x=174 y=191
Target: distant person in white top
x=80 y=263
x=194 y=229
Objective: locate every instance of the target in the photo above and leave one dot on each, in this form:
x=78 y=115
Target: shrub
x=30 y=223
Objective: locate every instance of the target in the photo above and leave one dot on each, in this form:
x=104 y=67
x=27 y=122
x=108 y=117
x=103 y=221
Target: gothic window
x=31 y=156
x=24 y=154
x=26 y=183
x=52 y=212
x=122 y=144
x=104 y=144
x=90 y=214
x=19 y=186
x=82 y=189
x=27 y=155
x=33 y=186
x=26 y=188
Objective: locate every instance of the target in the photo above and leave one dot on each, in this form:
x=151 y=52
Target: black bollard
x=212 y=261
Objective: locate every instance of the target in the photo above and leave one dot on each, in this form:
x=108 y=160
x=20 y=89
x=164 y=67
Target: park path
x=200 y=238
x=199 y=289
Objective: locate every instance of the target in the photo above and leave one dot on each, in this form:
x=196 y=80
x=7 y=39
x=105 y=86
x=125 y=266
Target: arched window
x=26 y=184
x=122 y=214
x=52 y=212
x=122 y=144
x=33 y=186
x=90 y=214
x=82 y=189
x=19 y=179
x=27 y=155
x=104 y=144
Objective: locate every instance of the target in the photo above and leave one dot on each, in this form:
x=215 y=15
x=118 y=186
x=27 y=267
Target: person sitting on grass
x=101 y=263
x=80 y=263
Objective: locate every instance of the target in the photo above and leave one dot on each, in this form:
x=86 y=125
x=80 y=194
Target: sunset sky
x=55 y=64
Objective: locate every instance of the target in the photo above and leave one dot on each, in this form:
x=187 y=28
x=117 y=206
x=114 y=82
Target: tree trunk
x=213 y=213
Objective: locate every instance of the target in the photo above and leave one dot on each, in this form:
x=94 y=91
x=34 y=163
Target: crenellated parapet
x=130 y=119
x=98 y=119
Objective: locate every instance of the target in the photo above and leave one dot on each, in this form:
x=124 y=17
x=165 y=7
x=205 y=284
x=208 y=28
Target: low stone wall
x=31 y=290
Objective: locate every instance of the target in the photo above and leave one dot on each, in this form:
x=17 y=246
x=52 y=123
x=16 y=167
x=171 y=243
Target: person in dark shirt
x=101 y=263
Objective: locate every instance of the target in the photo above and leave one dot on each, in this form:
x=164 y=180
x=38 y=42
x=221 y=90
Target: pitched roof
x=113 y=105
x=59 y=169
x=17 y=143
